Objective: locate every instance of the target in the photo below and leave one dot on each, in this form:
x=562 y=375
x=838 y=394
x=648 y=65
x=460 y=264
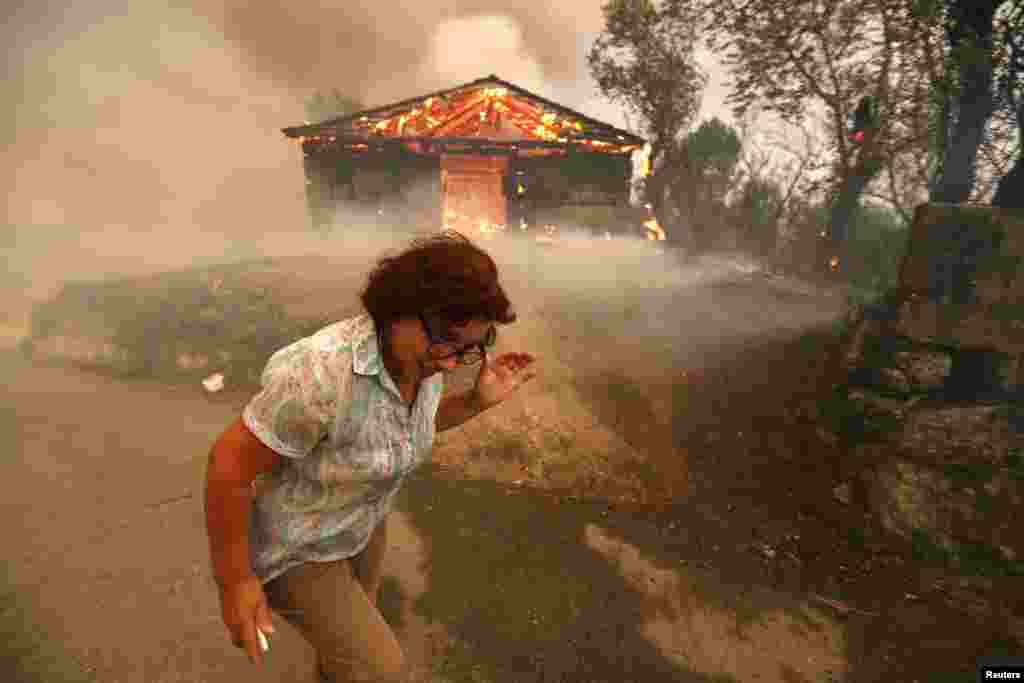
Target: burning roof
x=488 y=109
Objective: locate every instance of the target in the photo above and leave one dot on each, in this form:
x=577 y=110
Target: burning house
x=482 y=156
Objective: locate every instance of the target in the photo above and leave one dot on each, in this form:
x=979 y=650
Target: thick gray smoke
x=155 y=116
x=145 y=135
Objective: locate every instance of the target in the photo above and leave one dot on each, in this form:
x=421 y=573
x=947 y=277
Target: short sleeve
x=302 y=388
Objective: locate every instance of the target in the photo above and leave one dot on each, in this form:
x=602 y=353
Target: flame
x=833 y=263
x=543 y=132
x=383 y=124
x=654 y=231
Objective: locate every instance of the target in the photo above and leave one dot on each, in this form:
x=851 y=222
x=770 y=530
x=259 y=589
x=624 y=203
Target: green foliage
x=853 y=420
x=923 y=548
x=714 y=143
x=755 y=214
x=1015 y=464
x=178 y=312
x=323 y=106
x=969 y=559
x=709 y=156
x=972 y=473
x=856 y=538
x=876 y=246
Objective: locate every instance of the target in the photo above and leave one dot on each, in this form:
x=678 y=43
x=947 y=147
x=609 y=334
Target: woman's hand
x=501 y=376
x=244 y=608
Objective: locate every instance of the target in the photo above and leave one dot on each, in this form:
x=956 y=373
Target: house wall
x=407 y=187
x=390 y=187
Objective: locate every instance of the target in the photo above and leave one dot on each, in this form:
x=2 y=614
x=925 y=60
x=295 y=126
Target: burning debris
x=654 y=231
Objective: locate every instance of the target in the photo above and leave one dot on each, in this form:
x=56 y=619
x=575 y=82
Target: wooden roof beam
x=458 y=118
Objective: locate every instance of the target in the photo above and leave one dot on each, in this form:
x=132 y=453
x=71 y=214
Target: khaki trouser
x=328 y=603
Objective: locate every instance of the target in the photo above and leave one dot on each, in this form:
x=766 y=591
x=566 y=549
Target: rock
x=876 y=405
x=924 y=370
x=906 y=498
x=963 y=269
x=969 y=434
x=843 y=493
x=894 y=379
x=952 y=505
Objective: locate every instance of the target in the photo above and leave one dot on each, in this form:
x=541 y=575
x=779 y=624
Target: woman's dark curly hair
x=444 y=274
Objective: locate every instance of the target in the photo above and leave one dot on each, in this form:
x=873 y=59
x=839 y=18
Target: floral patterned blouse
x=329 y=406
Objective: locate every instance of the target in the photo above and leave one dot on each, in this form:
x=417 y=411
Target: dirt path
x=103 y=493
x=108 y=579
x=109 y=573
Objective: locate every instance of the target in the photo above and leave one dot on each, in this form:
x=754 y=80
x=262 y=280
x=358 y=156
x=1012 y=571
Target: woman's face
x=453 y=338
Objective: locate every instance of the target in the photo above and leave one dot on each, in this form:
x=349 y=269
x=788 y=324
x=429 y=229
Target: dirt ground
x=109 y=581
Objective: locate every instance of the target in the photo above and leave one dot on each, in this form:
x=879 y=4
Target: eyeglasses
x=443 y=349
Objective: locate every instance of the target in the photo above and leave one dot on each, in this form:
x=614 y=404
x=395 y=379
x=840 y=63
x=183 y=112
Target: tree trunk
x=847 y=202
x=975 y=373
x=1010 y=193
x=975 y=101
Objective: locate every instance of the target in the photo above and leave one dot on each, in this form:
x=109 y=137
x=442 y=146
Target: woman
x=343 y=417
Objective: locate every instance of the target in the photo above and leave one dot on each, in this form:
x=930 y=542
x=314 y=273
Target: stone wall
x=949 y=476
x=962 y=279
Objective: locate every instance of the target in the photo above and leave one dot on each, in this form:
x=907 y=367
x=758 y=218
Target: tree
x=702 y=174
x=323 y=106
x=756 y=215
x=801 y=58
x=965 y=95
x=1010 y=96
x=775 y=176
x=975 y=372
x=643 y=58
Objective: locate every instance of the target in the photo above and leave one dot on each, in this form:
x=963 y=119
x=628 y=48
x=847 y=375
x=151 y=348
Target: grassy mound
x=177 y=326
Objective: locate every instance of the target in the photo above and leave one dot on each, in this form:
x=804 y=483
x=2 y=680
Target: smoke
x=305 y=46
x=145 y=135
x=154 y=116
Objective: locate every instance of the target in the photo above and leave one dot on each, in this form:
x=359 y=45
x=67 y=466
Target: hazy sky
x=153 y=115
